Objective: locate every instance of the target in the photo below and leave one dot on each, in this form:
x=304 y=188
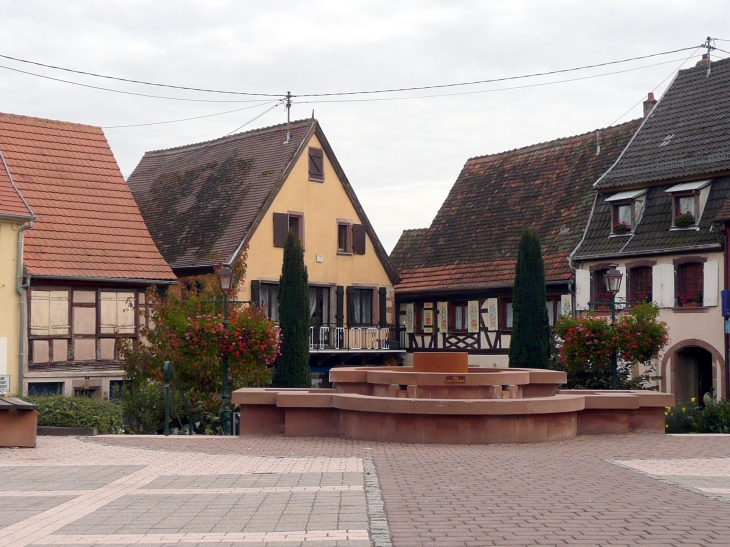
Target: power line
x=123 y=92
x=526 y=86
x=254 y=119
x=137 y=81
x=189 y=119
x=362 y=92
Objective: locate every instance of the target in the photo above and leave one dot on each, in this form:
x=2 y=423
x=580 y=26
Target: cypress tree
x=292 y=369
x=530 y=342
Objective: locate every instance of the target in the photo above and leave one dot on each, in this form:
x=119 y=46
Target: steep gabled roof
x=203 y=201
x=472 y=242
x=87 y=223
x=686 y=135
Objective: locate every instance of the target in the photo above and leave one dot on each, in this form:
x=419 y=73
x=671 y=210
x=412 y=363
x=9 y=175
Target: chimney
x=649 y=104
x=704 y=61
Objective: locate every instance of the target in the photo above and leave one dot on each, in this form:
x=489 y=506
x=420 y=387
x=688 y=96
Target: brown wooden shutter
x=350 y=291
x=281 y=229
x=358 y=239
x=340 y=303
x=316 y=165
x=256 y=292
x=382 y=306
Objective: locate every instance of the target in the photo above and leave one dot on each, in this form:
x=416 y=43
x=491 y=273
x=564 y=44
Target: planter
x=692 y=305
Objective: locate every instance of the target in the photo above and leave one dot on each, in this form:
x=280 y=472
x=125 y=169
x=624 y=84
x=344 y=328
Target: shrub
x=143 y=407
x=682 y=417
x=692 y=418
x=60 y=411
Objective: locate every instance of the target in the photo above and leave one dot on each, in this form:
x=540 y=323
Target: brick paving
x=642 y=490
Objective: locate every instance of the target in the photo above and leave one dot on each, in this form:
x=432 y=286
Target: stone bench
x=18 y=422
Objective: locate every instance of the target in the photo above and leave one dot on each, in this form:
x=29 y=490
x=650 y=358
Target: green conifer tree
x=292 y=369
x=530 y=342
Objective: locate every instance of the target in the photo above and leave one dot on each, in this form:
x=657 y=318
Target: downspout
x=20 y=288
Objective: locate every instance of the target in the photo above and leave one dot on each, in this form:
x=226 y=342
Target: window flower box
x=621 y=228
x=683 y=220
x=689 y=300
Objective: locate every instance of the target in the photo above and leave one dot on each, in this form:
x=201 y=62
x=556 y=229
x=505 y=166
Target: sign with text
x=4 y=383
x=456 y=379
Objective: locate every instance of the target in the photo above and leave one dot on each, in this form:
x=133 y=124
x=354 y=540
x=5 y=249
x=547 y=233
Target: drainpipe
x=20 y=288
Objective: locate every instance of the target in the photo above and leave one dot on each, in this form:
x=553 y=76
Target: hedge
x=62 y=411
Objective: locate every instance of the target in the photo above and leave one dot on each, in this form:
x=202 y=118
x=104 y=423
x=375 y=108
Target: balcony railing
x=333 y=338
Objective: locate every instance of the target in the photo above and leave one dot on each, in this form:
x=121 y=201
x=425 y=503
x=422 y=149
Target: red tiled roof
x=87 y=223
x=11 y=203
x=473 y=240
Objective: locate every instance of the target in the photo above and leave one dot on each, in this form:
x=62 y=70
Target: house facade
x=656 y=217
x=455 y=292
x=87 y=259
x=15 y=217
x=206 y=204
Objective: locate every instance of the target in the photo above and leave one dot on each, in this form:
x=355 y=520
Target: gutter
x=115 y=280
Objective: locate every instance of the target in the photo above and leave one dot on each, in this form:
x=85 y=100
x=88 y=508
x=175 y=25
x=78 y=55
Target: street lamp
x=613 y=279
x=225 y=282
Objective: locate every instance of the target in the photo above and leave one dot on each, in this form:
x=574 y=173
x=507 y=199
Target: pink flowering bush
x=587 y=344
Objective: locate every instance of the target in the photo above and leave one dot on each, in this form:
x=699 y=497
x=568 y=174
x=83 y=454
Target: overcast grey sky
x=401 y=156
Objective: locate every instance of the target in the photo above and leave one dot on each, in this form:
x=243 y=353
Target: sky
x=401 y=155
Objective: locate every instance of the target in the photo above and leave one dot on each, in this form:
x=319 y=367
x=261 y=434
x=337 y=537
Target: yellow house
x=15 y=217
x=204 y=204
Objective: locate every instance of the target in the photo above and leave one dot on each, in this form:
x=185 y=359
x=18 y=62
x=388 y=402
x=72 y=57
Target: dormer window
x=688 y=203
x=626 y=208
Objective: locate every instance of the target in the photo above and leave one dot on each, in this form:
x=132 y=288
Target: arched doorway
x=694 y=374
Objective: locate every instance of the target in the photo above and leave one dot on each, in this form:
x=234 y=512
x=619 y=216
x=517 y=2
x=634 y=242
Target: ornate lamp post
x=613 y=279
x=225 y=282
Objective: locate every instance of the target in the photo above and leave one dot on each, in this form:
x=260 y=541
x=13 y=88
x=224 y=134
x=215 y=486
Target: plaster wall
x=9 y=303
x=322 y=205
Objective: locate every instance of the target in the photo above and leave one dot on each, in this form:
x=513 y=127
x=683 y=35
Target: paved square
x=632 y=490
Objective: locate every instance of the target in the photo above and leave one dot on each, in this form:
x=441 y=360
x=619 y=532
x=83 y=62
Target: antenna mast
x=710 y=47
x=288 y=118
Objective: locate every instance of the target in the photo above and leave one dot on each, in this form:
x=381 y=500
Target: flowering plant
x=621 y=228
x=688 y=298
x=682 y=220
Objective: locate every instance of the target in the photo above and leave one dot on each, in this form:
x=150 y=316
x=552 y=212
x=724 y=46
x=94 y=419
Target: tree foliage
x=530 y=341
x=189 y=332
x=292 y=368
x=585 y=353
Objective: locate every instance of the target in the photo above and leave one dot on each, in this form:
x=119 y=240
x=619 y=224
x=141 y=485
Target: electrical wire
x=484 y=90
x=362 y=92
x=657 y=86
x=254 y=119
x=138 y=81
x=125 y=92
x=193 y=118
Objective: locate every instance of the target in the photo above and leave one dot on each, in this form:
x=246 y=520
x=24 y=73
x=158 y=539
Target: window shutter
x=662 y=281
x=340 y=303
x=711 y=288
x=358 y=239
x=566 y=304
x=443 y=316
x=621 y=294
x=316 y=165
x=350 y=292
x=40 y=312
x=473 y=316
x=382 y=305
x=409 y=317
x=108 y=312
x=491 y=318
x=582 y=289
x=281 y=228
x=256 y=292
x=125 y=312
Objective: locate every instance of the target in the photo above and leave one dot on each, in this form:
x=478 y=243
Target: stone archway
x=670 y=365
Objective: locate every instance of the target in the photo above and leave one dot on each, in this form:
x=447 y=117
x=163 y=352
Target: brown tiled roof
x=202 y=202
x=473 y=240
x=685 y=136
x=406 y=252
x=87 y=223
x=11 y=202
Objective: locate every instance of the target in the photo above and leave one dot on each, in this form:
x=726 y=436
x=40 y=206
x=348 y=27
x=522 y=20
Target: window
x=45 y=389
x=269 y=298
x=285 y=222
x=640 y=284
x=599 y=290
x=626 y=209
x=506 y=317
x=344 y=239
x=361 y=306
x=688 y=202
x=316 y=165
x=117 y=312
x=690 y=284
x=553 y=309
x=49 y=313
x=319 y=305
x=459 y=316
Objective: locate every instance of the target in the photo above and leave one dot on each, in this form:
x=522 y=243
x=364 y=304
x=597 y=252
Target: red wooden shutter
x=281 y=229
x=316 y=165
x=358 y=239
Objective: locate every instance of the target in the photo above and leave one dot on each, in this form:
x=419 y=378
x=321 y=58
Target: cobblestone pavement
x=633 y=490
